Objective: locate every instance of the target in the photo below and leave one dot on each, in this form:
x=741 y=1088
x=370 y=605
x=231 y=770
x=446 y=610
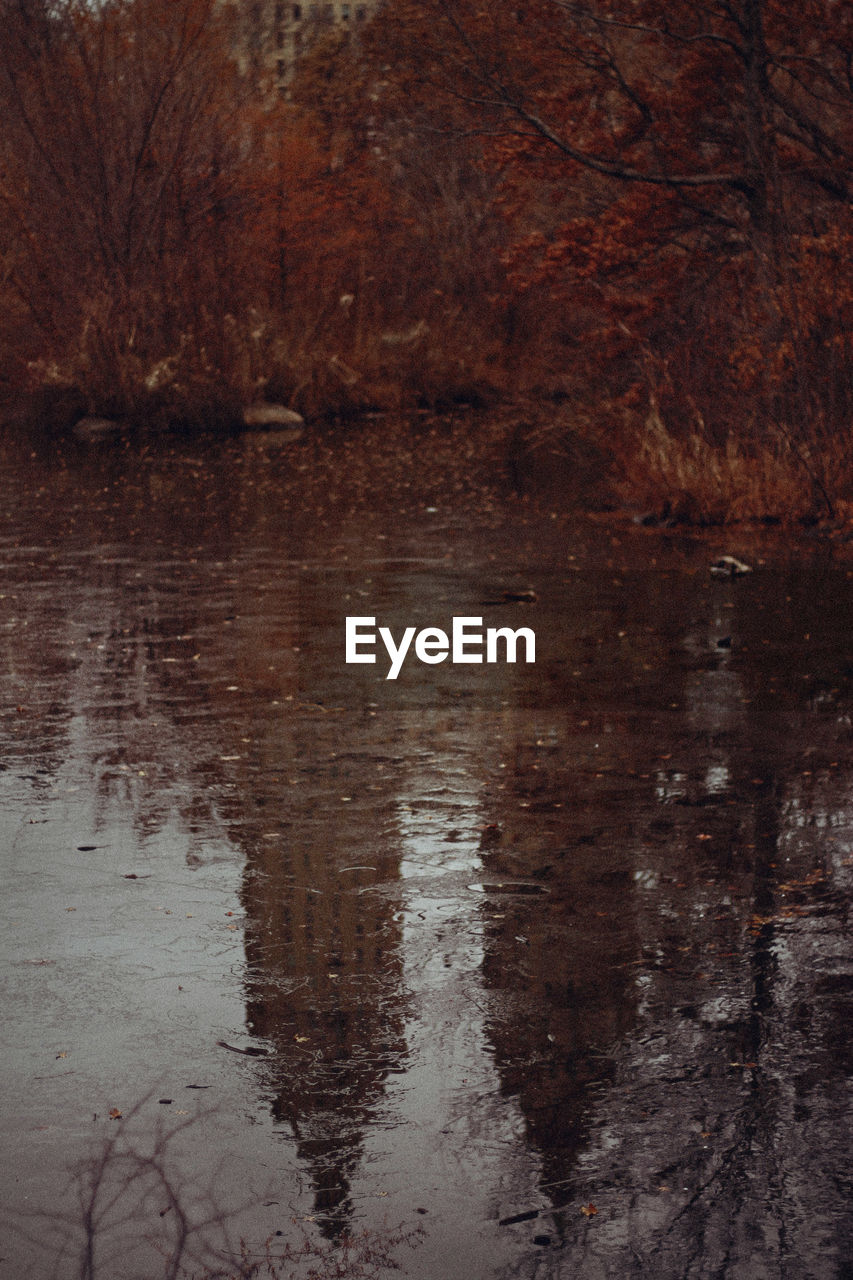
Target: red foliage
x=677 y=180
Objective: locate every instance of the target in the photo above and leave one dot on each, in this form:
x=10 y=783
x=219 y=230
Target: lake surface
x=545 y=968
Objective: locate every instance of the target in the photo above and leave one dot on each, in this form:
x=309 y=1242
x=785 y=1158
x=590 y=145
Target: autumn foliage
x=637 y=208
x=677 y=181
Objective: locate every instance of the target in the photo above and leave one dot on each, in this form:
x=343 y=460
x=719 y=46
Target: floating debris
x=527 y=1216
x=729 y=567
x=250 y=1052
x=507 y=886
x=526 y=596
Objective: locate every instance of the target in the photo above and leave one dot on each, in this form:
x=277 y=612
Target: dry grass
x=778 y=478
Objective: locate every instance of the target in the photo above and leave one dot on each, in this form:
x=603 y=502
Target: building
x=274 y=34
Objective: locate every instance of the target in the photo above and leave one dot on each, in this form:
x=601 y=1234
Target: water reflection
x=578 y=944
x=323 y=955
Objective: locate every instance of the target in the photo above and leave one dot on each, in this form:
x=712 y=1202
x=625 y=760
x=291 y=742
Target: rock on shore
x=265 y=416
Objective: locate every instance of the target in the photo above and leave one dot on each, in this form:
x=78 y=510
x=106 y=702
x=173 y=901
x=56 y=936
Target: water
x=549 y=965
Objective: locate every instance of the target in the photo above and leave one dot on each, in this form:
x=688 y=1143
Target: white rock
x=263 y=414
x=729 y=567
x=405 y=336
x=94 y=428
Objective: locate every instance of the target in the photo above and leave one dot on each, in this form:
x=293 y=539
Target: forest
x=627 y=221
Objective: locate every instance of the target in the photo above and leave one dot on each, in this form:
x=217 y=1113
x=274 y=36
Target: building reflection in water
x=347 y=953
x=323 y=980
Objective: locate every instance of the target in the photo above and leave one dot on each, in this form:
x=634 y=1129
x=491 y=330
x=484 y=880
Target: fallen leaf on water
x=115 y=1114
x=588 y=1210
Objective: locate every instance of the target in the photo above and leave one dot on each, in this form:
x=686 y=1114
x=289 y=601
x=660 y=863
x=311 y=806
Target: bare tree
x=122 y=177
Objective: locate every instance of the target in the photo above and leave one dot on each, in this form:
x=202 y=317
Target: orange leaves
x=578 y=190
x=634 y=151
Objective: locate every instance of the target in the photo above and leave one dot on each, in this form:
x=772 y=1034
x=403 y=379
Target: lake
x=507 y=970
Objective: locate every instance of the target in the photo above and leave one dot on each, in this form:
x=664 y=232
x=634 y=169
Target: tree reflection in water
x=577 y=943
